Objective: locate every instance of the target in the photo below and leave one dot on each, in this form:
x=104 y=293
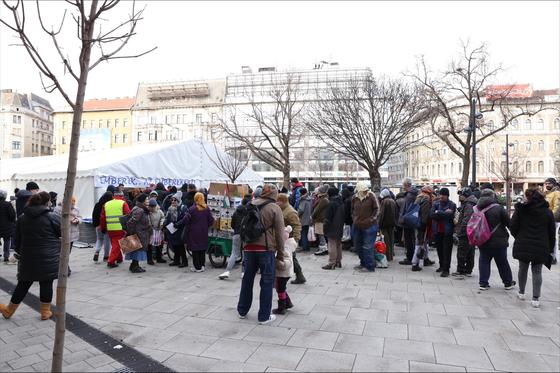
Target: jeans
x=235 y=251
x=364 y=240
x=102 y=240
x=536 y=271
x=465 y=256
x=499 y=254
x=409 y=241
x=444 y=246
x=266 y=263
x=22 y=287
x=304 y=241
x=7 y=241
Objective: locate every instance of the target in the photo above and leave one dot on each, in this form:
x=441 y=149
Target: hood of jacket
x=485 y=201
x=23 y=193
x=534 y=208
x=34 y=211
x=471 y=199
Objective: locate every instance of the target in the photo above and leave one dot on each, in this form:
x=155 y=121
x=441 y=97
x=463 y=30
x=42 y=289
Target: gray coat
x=304 y=210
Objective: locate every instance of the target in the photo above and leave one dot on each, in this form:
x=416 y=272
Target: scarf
x=172 y=213
x=199 y=201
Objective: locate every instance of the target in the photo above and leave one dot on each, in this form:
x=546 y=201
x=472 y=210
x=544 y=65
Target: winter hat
x=153 y=193
x=551 y=180
x=486 y=186
x=111 y=188
x=141 y=198
x=294 y=180
x=487 y=193
x=333 y=192
x=385 y=193
x=178 y=196
x=444 y=192
x=270 y=191
x=257 y=192
x=467 y=192
x=153 y=203
x=31 y=186
x=324 y=188
x=362 y=186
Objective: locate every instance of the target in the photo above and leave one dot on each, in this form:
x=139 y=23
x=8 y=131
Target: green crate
x=224 y=243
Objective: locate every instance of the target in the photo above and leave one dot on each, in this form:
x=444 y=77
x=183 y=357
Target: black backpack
x=252 y=227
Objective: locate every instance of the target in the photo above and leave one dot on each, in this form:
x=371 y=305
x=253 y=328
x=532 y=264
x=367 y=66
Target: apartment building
x=26 y=125
x=106 y=124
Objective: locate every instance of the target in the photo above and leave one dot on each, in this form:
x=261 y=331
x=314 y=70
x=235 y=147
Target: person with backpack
x=262 y=234
x=333 y=227
x=492 y=228
x=423 y=204
x=365 y=209
x=465 y=251
x=236 y=220
x=534 y=230
x=139 y=224
x=38 y=246
x=387 y=220
x=110 y=223
x=442 y=214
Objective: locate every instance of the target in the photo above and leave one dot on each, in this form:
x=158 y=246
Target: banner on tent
x=103 y=181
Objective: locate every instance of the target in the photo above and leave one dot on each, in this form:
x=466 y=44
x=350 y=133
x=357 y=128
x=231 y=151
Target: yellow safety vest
x=113 y=211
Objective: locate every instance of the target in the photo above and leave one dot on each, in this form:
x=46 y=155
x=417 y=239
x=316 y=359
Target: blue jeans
x=235 y=251
x=102 y=240
x=266 y=262
x=364 y=239
x=304 y=242
x=499 y=254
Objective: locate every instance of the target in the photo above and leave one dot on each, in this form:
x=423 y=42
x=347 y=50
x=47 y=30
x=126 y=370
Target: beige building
x=26 y=126
x=534 y=151
x=106 y=124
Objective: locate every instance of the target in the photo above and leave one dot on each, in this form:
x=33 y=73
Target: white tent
x=137 y=166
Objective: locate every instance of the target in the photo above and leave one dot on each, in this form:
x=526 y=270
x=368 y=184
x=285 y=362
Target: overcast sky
x=211 y=39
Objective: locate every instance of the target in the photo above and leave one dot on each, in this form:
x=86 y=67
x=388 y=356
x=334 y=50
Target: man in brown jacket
x=365 y=208
x=291 y=217
x=260 y=255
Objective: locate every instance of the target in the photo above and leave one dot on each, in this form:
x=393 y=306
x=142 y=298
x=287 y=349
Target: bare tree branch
x=232 y=163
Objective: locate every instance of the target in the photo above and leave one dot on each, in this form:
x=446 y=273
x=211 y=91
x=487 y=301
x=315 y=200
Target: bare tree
x=272 y=125
x=368 y=121
x=450 y=93
x=95 y=46
x=232 y=162
x=497 y=167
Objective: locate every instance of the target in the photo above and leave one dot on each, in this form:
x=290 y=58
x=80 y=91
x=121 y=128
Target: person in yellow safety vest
x=112 y=211
x=552 y=196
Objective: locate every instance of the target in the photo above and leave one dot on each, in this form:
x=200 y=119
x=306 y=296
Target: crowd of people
x=271 y=227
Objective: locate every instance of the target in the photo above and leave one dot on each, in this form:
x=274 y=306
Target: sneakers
x=457 y=274
x=242 y=317
x=444 y=274
x=405 y=262
x=484 y=287
x=198 y=270
x=438 y=270
x=416 y=268
x=96 y=257
x=366 y=270
x=112 y=265
x=298 y=281
x=510 y=286
x=224 y=275
x=321 y=252
x=428 y=262
x=535 y=303
x=105 y=258
x=358 y=267
x=520 y=296
x=270 y=320
x=468 y=274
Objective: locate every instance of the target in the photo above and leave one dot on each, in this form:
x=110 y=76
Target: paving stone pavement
x=390 y=320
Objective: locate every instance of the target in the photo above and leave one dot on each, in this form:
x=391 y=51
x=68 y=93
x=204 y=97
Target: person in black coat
x=496 y=247
x=533 y=227
x=7 y=223
x=102 y=239
x=333 y=227
x=38 y=245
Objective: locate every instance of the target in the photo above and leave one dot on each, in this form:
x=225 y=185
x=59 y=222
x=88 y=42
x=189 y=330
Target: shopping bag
x=346 y=233
x=130 y=243
x=311 y=234
x=380 y=246
x=381 y=261
x=156 y=238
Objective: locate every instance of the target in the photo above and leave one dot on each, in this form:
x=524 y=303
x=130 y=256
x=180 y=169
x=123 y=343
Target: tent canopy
x=173 y=163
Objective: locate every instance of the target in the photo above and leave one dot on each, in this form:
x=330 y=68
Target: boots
x=135 y=267
x=46 y=311
x=299 y=280
x=281 y=310
x=159 y=255
x=289 y=303
x=8 y=311
x=150 y=254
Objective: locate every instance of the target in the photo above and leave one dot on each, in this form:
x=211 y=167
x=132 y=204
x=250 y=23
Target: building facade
x=173 y=111
x=534 y=151
x=26 y=125
x=106 y=124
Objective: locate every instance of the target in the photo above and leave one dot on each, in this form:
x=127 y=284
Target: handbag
x=130 y=243
x=311 y=234
x=156 y=238
x=346 y=233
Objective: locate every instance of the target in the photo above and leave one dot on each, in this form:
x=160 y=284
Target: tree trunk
x=466 y=169
x=60 y=311
x=375 y=178
x=286 y=178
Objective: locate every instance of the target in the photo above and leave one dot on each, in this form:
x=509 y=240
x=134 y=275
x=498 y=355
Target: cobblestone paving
x=390 y=320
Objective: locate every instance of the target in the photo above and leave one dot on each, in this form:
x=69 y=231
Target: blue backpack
x=411 y=217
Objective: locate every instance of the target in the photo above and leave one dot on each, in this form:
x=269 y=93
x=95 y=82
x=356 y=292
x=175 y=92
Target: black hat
x=332 y=192
x=294 y=180
x=31 y=186
x=551 y=180
x=486 y=186
x=111 y=188
x=444 y=192
x=467 y=192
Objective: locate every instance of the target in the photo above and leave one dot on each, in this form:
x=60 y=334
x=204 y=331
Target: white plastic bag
x=311 y=234
x=346 y=233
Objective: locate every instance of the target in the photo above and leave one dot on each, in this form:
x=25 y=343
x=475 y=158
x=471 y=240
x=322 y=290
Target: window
x=540 y=125
x=100 y=123
x=125 y=123
x=527 y=125
x=198 y=118
x=116 y=140
x=528 y=167
x=541 y=167
x=16 y=145
x=91 y=124
x=451 y=168
x=557 y=145
x=139 y=136
x=178 y=118
x=515 y=124
x=491 y=126
x=167 y=119
x=528 y=146
x=124 y=138
x=557 y=167
x=557 y=123
x=63 y=140
x=84 y=123
x=541 y=146
x=516 y=166
x=477 y=166
x=108 y=124
x=185 y=120
x=214 y=118
x=14 y=119
x=515 y=145
x=150 y=135
x=460 y=167
x=445 y=169
x=63 y=125
x=439 y=170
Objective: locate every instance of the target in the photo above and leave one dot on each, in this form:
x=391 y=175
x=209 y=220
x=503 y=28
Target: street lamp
x=473 y=117
x=508 y=193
